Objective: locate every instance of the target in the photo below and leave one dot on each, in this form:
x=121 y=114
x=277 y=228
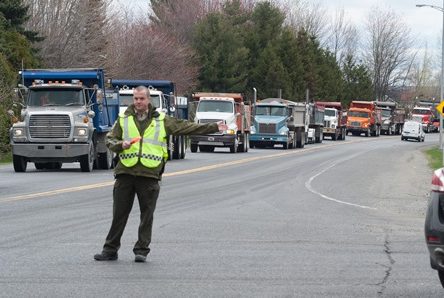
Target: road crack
x=388 y=271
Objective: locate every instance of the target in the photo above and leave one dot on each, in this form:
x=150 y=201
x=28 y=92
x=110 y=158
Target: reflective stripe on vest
x=152 y=148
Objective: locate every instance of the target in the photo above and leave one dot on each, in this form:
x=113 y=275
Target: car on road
x=413 y=130
x=434 y=224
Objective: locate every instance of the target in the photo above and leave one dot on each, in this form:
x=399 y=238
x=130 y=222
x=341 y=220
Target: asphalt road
x=337 y=219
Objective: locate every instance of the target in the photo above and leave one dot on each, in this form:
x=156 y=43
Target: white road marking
x=311 y=189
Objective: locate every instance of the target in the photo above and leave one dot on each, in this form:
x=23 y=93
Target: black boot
x=105 y=256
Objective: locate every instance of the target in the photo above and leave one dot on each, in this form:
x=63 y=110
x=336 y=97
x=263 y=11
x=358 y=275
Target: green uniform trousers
x=125 y=189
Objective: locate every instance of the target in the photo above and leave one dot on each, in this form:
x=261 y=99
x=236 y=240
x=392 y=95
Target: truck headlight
x=80 y=134
x=18 y=132
x=231 y=131
x=333 y=126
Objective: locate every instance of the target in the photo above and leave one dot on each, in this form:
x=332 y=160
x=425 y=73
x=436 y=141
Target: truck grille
x=49 y=126
x=267 y=128
x=355 y=124
x=326 y=123
x=209 y=120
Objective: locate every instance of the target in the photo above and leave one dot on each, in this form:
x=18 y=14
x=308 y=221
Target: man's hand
x=126 y=144
x=222 y=126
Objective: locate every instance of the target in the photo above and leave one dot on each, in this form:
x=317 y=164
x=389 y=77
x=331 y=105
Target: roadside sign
x=440 y=108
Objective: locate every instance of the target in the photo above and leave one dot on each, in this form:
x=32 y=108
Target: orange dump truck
x=232 y=110
x=364 y=117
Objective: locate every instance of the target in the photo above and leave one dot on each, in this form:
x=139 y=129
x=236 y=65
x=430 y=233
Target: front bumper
x=48 y=151
x=268 y=139
x=434 y=227
x=356 y=129
x=214 y=140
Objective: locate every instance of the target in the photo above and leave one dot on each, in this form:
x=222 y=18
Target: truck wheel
x=335 y=136
x=182 y=147
x=106 y=160
x=441 y=277
x=193 y=148
x=19 y=163
x=87 y=160
x=177 y=145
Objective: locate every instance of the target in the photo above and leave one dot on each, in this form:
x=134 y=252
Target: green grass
x=434 y=156
x=5 y=157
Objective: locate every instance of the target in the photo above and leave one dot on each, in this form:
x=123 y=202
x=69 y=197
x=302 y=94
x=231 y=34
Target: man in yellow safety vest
x=139 y=137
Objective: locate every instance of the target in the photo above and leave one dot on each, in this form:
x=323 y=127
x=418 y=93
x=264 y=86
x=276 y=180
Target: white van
x=413 y=130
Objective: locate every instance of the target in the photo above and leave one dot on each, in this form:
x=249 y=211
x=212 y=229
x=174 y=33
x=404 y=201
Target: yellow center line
x=177 y=173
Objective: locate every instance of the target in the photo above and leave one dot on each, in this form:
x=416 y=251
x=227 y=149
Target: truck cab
x=64 y=118
x=270 y=126
x=426 y=116
x=364 y=117
x=229 y=108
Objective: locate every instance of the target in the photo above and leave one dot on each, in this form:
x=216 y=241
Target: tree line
x=278 y=47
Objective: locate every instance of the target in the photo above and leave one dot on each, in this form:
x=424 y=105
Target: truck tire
x=19 y=163
x=183 y=147
x=193 y=148
x=335 y=136
x=87 y=160
x=177 y=146
x=106 y=160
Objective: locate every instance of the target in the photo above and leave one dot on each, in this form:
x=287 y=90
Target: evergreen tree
x=357 y=81
x=15 y=51
x=222 y=54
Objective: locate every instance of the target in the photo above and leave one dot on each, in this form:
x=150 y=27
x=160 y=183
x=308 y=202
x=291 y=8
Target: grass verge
x=5 y=157
x=434 y=156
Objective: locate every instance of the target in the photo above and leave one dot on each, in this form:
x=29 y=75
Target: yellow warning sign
x=440 y=108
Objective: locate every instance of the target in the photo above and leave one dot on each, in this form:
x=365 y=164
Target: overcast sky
x=425 y=23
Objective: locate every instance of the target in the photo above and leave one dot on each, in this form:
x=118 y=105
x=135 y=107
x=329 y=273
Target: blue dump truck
x=163 y=97
x=65 y=116
x=278 y=122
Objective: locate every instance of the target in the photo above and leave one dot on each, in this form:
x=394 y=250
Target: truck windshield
x=127 y=99
x=330 y=112
x=386 y=113
x=421 y=111
x=271 y=111
x=56 y=97
x=357 y=114
x=215 y=106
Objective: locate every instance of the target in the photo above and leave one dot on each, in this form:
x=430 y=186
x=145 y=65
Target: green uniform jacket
x=173 y=126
